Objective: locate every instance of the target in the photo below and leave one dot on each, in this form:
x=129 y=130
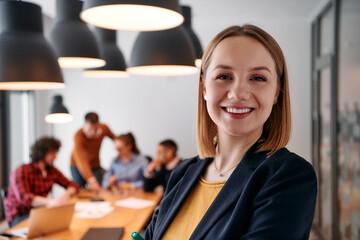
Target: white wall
x=154 y=108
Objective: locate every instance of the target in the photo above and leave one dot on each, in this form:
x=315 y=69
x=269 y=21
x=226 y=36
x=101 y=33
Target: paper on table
x=85 y=206
x=94 y=213
x=92 y=209
x=135 y=203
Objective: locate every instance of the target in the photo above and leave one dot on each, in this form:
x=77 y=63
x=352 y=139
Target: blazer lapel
x=189 y=180
x=230 y=192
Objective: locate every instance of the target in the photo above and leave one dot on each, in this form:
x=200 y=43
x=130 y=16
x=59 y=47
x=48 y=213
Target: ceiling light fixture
x=27 y=61
x=73 y=41
x=163 y=53
x=58 y=112
x=115 y=66
x=138 y=15
x=186 y=10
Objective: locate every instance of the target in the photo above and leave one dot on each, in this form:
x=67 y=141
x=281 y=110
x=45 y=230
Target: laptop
x=45 y=220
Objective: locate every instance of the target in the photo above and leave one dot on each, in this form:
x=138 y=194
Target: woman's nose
x=239 y=90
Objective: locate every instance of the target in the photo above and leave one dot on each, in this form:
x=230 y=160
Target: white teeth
x=236 y=110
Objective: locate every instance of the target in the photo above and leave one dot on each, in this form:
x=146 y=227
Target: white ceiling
x=263 y=9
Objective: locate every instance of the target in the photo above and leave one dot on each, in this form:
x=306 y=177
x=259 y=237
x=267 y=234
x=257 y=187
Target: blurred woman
x=127 y=170
x=244 y=184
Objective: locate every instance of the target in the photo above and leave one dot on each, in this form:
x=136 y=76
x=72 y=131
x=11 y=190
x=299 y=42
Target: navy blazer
x=264 y=198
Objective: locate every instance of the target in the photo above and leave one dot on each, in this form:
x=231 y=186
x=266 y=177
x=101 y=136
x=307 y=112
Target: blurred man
x=31 y=183
x=85 y=161
x=159 y=169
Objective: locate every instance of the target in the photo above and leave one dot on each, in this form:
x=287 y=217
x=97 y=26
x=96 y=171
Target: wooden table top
x=130 y=219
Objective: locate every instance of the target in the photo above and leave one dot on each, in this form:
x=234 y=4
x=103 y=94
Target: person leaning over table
x=160 y=168
x=31 y=183
x=244 y=184
x=85 y=161
x=127 y=170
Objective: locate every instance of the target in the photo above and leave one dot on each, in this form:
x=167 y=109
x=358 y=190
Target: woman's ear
x=203 y=87
x=204 y=94
x=276 y=95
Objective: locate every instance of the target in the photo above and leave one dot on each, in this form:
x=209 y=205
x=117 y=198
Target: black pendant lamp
x=58 y=112
x=186 y=10
x=138 y=15
x=115 y=66
x=73 y=41
x=163 y=53
x=27 y=61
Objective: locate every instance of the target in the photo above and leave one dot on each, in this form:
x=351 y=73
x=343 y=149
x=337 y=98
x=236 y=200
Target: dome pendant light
x=58 y=112
x=163 y=53
x=27 y=61
x=72 y=39
x=186 y=10
x=115 y=66
x=138 y=15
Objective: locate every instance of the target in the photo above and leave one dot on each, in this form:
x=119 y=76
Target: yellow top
x=193 y=210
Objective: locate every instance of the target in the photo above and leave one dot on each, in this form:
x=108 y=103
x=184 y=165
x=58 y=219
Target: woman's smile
x=237 y=112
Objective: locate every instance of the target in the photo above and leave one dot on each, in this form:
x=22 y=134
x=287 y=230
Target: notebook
x=103 y=234
x=45 y=220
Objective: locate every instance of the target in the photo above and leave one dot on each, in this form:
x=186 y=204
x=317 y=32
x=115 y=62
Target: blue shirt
x=133 y=171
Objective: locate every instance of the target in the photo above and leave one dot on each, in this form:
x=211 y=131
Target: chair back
x=3 y=192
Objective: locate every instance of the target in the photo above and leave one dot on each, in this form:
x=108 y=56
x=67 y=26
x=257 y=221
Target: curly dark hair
x=43 y=146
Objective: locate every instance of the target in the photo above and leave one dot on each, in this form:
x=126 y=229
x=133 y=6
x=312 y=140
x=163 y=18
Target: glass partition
x=349 y=121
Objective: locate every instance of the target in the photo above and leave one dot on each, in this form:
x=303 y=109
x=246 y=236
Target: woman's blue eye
x=260 y=79
x=223 y=77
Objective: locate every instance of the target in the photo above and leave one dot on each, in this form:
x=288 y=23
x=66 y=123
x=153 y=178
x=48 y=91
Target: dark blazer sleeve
x=175 y=176
x=284 y=207
x=149 y=232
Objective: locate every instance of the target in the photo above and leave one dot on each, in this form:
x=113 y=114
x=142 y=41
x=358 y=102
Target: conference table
x=128 y=218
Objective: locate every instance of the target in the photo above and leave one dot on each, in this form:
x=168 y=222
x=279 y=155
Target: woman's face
x=240 y=86
x=122 y=148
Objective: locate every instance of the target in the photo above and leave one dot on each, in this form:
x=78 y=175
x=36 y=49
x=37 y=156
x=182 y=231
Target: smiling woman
x=245 y=184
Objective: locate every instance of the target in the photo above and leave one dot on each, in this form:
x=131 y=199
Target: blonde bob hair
x=277 y=128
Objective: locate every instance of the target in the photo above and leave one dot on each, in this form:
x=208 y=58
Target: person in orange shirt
x=85 y=161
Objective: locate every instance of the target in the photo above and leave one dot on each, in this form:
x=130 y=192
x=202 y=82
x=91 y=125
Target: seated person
x=31 y=183
x=127 y=169
x=159 y=170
